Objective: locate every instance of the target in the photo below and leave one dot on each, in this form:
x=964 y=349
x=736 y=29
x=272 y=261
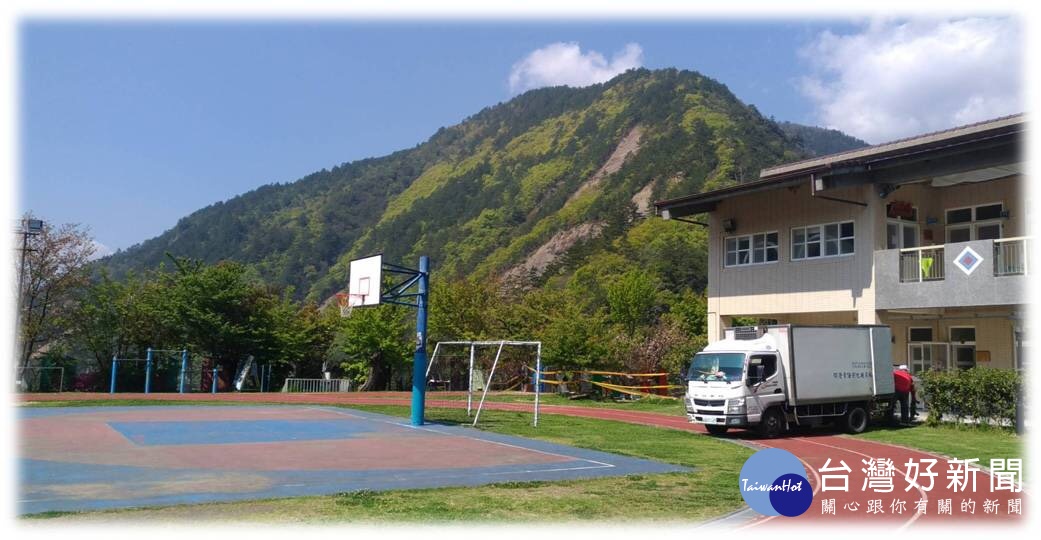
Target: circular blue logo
x=773 y=482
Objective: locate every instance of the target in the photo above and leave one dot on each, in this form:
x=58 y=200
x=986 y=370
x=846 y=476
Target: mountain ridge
x=484 y=196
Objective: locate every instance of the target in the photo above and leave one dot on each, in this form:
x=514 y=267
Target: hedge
x=982 y=395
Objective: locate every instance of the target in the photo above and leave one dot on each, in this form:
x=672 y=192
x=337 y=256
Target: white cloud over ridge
x=564 y=64
x=898 y=79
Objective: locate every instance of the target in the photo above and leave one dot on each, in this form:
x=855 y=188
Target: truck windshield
x=716 y=367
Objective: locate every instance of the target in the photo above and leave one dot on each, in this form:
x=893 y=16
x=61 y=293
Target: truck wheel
x=716 y=429
x=771 y=424
x=856 y=419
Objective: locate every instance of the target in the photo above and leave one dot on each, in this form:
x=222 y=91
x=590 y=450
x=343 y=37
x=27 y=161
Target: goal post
x=475 y=374
x=40 y=379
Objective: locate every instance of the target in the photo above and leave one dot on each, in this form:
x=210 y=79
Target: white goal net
x=469 y=370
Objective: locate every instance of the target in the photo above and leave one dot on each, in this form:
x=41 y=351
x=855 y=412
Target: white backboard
x=363 y=281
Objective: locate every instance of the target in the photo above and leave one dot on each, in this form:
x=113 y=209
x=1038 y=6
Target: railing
x=1010 y=256
x=921 y=264
x=316 y=385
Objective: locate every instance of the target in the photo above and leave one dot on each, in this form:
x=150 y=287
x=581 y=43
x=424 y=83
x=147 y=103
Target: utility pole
x=28 y=227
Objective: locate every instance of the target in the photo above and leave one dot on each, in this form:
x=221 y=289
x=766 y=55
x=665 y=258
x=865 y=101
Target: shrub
x=980 y=394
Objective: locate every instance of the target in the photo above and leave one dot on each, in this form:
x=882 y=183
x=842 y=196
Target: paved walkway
x=813 y=449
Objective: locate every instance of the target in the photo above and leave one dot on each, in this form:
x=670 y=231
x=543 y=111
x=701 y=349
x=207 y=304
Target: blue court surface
x=88 y=458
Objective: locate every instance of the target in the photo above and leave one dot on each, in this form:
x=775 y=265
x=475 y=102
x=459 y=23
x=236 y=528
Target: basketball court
x=87 y=458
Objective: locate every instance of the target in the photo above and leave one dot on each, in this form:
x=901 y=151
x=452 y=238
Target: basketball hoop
x=347 y=301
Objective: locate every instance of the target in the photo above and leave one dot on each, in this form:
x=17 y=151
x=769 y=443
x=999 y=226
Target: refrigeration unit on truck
x=772 y=378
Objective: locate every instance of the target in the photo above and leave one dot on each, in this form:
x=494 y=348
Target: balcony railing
x=921 y=264
x=1010 y=256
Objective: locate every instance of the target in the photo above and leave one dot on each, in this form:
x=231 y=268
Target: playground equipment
x=164 y=370
x=509 y=366
x=295 y=384
x=39 y=379
x=252 y=376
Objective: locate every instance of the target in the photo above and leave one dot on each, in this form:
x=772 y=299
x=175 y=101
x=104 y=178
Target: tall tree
x=55 y=267
x=631 y=298
x=376 y=345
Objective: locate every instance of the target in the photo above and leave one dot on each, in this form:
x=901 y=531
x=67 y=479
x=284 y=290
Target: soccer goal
x=40 y=379
x=459 y=369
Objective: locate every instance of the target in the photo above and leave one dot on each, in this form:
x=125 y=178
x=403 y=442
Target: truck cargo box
x=835 y=363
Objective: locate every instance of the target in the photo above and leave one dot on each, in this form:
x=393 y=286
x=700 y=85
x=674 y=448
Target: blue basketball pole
x=213 y=387
x=184 y=369
x=419 y=363
x=148 y=371
x=112 y=385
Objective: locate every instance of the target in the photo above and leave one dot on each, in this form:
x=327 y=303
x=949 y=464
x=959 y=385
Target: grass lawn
x=678 y=497
x=956 y=441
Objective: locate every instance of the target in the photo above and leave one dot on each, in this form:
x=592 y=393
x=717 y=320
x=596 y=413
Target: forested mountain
x=552 y=183
x=818 y=141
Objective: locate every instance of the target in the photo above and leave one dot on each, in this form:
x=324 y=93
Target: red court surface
x=814 y=450
x=86 y=458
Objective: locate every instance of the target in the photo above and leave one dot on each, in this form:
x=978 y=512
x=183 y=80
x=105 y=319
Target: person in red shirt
x=904 y=385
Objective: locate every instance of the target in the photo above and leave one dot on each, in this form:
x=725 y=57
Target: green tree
x=302 y=334
x=463 y=310
x=224 y=310
x=631 y=298
x=53 y=268
x=375 y=345
x=575 y=338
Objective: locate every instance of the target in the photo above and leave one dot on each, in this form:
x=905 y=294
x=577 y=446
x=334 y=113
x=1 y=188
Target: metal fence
x=316 y=385
x=921 y=264
x=1010 y=256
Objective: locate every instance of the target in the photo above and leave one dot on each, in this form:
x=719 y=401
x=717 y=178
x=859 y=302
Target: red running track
x=813 y=449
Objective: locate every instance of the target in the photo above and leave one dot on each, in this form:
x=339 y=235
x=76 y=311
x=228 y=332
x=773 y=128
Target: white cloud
x=100 y=250
x=897 y=79
x=561 y=63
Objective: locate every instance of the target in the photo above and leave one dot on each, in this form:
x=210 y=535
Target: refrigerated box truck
x=773 y=378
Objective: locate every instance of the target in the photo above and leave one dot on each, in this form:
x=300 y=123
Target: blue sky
x=126 y=127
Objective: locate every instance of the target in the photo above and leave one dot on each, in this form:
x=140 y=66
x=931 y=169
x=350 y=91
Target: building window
x=760 y=248
x=901 y=234
x=920 y=352
x=963 y=346
x=981 y=222
x=828 y=240
x=920 y=334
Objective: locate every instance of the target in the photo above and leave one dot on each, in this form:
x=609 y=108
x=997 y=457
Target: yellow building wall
x=994 y=334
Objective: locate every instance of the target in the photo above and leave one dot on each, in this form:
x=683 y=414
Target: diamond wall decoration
x=968 y=260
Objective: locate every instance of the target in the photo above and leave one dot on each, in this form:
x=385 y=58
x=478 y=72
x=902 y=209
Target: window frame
x=900 y=225
x=751 y=249
x=973 y=224
x=822 y=240
x=932 y=334
x=953 y=360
